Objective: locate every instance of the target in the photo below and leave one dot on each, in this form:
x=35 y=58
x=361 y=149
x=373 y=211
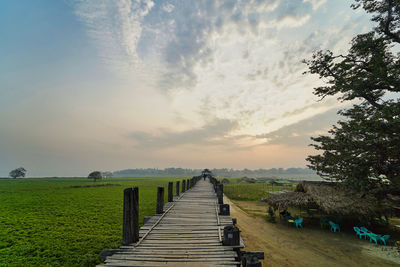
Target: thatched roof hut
x=330 y=198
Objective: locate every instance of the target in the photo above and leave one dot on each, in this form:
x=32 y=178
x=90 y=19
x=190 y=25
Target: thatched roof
x=290 y=199
x=330 y=198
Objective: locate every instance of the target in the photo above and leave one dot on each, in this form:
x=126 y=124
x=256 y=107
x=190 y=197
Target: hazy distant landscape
x=289 y=173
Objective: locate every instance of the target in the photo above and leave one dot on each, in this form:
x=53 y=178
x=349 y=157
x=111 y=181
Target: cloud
x=292 y=21
x=316 y=3
x=222 y=61
x=299 y=133
x=116 y=28
x=214 y=133
x=168 y=40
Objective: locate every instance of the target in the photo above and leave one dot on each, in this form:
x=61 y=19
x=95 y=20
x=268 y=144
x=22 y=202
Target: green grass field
x=251 y=192
x=60 y=222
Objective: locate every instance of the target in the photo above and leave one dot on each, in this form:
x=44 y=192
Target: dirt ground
x=287 y=246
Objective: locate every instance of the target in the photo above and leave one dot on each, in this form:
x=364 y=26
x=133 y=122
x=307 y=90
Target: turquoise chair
x=334 y=226
x=299 y=222
x=365 y=231
x=384 y=238
x=359 y=232
x=374 y=237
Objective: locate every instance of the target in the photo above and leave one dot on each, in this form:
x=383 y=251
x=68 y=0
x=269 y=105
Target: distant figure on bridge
x=206 y=173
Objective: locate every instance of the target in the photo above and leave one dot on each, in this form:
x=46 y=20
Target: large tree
x=96 y=175
x=363 y=150
x=19 y=172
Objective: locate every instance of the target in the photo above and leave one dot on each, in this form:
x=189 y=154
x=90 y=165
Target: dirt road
x=288 y=246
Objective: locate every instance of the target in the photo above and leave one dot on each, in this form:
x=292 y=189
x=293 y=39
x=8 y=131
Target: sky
x=107 y=85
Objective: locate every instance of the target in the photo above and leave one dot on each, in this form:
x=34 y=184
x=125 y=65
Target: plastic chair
x=365 y=231
x=334 y=226
x=299 y=222
x=359 y=232
x=384 y=238
x=374 y=237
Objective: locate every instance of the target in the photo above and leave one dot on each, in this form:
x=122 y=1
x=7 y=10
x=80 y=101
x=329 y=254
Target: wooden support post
x=177 y=188
x=170 y=192
x=187 y=184
x=231 y=236
x=130 y=227
x=220 y=193
x=160 y=200
x=224 y=210
x=183 y=186
x=135 y=214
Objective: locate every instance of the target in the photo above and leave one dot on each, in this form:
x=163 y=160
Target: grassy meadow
x=66 y=221
x=252 y=192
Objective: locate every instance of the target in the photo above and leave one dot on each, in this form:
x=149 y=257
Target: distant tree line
x=224 y=172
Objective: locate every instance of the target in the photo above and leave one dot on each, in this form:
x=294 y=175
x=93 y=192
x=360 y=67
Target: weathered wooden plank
x=171 y=259
x=176 y=264
x=177 y=258
x=178 y=253
x=163 y=243
x=184 y=239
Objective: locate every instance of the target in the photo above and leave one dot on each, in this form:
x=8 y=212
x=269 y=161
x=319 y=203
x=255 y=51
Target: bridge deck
x=188 y=233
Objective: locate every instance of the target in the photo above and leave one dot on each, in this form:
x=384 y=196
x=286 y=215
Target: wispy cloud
x=316 y=3
x=300 y=133
x=214 y=133
x=116 y=28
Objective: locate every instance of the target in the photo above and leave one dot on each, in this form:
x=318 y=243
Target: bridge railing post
x=220 y=193
x=187 y=184
x=183 y=186
x=160 y=200
x=177 y=188
x=170 y=192
x=135 y=214
x=130 y=226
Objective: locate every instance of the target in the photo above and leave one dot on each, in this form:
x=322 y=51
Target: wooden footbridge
x=188 y=231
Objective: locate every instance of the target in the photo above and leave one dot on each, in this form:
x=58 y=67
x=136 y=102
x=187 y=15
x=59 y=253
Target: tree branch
x=389 y=20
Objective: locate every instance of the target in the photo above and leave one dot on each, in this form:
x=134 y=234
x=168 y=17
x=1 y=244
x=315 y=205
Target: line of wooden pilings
x=130 y=232
x=130 y=227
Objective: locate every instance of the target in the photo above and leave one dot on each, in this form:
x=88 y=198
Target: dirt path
x=288 y=246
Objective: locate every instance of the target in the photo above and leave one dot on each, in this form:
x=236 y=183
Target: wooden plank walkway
x=188 y=233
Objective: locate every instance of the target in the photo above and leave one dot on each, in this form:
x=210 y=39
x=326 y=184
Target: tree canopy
x=363 y=149
x=96 y=175
x=19 y=172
